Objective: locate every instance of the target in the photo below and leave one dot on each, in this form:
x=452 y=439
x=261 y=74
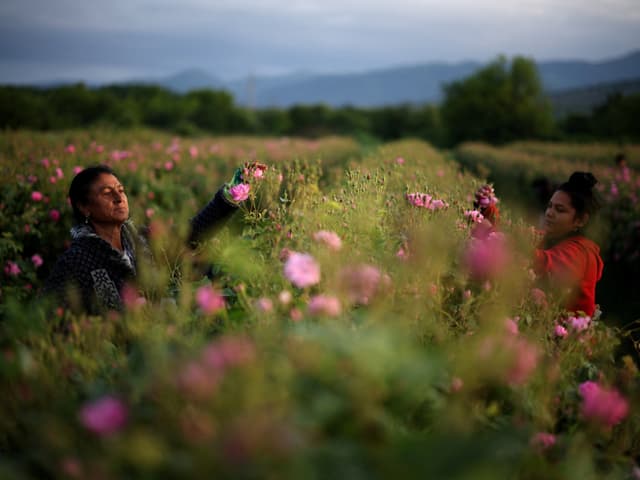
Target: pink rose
x=302 y=270
x=209 y=300
x=36 y=196
x=37 y=260
x=324 y=305
x=104 y=416
x=240 y=192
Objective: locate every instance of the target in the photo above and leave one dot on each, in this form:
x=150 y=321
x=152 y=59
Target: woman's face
x=560 y=218
x=106 y=203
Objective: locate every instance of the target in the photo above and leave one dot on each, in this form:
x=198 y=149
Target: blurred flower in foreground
x=560 y=331
x=12 y=269
x=302 y=270
x=240 y=192
x=330 y=239
x=37 y=260
x=543 y=441
x=525 y=360
x=36 y=196
x=361 y=283
x=209 y=300
x=602 y=405
x=324 y=305
x=264 y=304
x=486 y=258
x=104 y=416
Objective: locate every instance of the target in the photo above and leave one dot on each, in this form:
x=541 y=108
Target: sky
x=114 y=40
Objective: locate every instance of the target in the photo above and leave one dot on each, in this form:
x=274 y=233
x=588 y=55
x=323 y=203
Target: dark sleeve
x=56 y=285
x=212 y=216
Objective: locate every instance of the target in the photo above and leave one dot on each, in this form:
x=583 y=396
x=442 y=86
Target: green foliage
x=413 y=376
x=500 y=103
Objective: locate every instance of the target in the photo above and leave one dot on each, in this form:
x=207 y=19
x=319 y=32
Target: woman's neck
x=110 y=233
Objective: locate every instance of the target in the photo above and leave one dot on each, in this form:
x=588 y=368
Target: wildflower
x=525 y=361
x=296 y=314
x=240 y=192
x=285 y=297
x=543 y=441
x=474 y=216
x=330 y=239
x=168 y=165
x=193 y=151
x=37 y=260
x=361 y=282
x=324 y=305
x=70 y=148
x=402 y=254
x=302 y=270
x=419 y=199
x=437 y=204
x=198 y=381
x=456 y=384
x=229 y=351
x=560 y=331
x=400 y=161
x=602 y=405
x=539 y=297
x=77 y=169
x=579 y=323
x=104 y=416
x=54 y=215
x=209 y=300
x=131 y=297
x=264 y=304
x=59 y=173
x=511 y=326
x=149 y=212
x=36 y=196
x=12 y=269
x=45 y=162
x=486 y=258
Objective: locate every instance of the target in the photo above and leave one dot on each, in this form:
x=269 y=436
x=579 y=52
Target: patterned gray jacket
x=90 y=274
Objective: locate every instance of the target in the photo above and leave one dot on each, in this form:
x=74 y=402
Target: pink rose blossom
x=560 y=331
x=59 y=173
x=456 y=385
x=193 y=151
x=240 y=192
x=539 y=297
x=285 y=297
x=543 y=441
x=579 y=323
x=45 y=162
x=77 y=169
x=37 y=260
x=12 y=269
x=264 y=304
x=104 y=416
x=474 y=215
x=525 y=360
x=54 y=215
x=602 y=405
x=511 y=326
x=400 y=161
x=70 y=148
x=330 y=239
x=228 y=351
x=209 y=300
x=36 y=196
x=302 y=270
x=361 y=283
x=149 y=212
x=486 y=258
x=296 y=314
x=168 y=165
x=324 y=305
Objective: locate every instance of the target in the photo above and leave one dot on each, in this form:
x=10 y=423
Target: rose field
x=350 y=325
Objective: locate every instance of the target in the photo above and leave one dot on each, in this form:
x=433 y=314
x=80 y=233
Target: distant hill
x=584 y=99
x=409 y=84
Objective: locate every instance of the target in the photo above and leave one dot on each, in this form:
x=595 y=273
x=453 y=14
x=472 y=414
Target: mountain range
x=416 y=84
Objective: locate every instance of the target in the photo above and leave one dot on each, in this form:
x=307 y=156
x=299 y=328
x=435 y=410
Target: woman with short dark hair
x=567 y=259
x=106 y=248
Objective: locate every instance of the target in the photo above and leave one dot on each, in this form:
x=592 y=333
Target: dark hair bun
x=582 y=181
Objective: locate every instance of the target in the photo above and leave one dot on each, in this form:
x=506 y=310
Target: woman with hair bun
x=567 y=259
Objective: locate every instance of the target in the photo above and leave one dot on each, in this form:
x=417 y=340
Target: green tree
x=499 y=103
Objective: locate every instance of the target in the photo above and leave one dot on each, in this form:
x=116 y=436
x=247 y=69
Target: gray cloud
x=235 y=37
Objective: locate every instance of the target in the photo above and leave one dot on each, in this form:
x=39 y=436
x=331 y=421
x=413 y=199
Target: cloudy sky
x=110 y=40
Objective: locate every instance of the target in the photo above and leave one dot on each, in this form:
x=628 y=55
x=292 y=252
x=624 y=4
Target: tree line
x=501 y=102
